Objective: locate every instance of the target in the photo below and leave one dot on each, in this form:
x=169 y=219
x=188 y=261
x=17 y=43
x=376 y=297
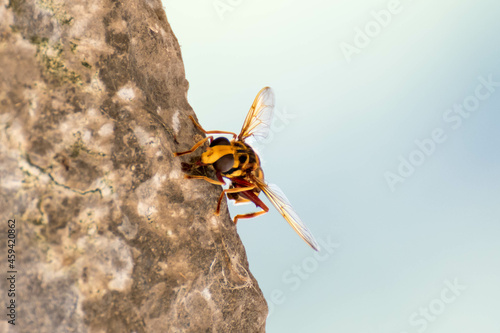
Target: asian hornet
x=237 y=161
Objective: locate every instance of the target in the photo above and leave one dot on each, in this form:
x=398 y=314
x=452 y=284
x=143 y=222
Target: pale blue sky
x=352 y=115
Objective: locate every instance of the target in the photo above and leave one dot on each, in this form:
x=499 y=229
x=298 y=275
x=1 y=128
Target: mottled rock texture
x=110 y=236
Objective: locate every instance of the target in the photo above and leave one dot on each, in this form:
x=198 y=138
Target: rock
x=109 y=235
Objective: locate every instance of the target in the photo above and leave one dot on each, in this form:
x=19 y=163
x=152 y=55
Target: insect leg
x=249 y=215
x=211 y=132
x=241 y=182
x=211 y=181
x=232 y=190
x=196 y=146
x=219 y=177
x=255 y=199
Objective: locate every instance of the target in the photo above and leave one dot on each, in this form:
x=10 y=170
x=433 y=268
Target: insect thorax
x=233 y=159
x=245 y=160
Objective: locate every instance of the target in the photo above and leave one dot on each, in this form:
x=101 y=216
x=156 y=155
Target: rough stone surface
x=110 y=236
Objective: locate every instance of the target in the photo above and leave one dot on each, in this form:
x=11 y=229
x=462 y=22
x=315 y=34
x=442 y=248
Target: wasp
x=237 y=161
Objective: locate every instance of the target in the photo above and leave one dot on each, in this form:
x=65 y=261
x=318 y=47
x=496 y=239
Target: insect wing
x=279 y=200
x=259 y=116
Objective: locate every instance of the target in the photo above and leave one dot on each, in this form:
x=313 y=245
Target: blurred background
x=386 y=141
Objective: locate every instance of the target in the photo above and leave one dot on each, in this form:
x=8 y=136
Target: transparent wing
x=259 y=116
x=279 y=200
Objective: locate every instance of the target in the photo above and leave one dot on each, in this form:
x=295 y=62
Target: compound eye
x=222 y=141
x=224 y=163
